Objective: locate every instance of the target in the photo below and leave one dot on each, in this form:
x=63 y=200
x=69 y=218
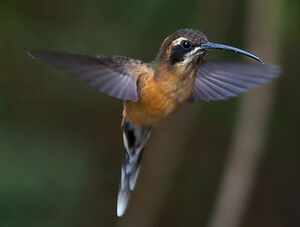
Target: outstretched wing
x=116 y=76
x=221 y=80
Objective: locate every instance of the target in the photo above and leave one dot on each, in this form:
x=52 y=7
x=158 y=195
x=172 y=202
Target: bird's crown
x=176 y=46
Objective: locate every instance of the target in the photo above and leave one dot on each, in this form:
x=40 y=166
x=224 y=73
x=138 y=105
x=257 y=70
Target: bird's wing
x=221 y=80
x=116 y=76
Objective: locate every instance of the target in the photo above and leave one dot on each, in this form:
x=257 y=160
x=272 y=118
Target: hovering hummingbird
x=153 y=91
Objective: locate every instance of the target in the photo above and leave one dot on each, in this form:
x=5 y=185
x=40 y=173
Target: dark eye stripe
x=186 y=44
x=178 y=51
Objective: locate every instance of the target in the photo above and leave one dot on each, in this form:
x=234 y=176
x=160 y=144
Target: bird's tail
x=135 y=138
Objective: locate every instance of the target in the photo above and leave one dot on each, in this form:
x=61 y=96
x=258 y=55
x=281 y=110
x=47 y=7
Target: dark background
x=60 y=141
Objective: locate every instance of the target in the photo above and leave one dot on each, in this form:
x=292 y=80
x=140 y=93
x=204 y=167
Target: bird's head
x=184 y=50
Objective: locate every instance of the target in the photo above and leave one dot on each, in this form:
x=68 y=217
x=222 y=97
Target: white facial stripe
x=191 y=52
x=177 y=41
x=187 y=58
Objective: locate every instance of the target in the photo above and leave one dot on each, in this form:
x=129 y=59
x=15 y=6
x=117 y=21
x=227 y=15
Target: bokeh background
x=226 y=163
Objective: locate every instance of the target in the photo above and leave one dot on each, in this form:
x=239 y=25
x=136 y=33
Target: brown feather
x=160 y=95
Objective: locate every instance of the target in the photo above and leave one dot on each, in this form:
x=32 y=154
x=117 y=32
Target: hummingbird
x=153 y=91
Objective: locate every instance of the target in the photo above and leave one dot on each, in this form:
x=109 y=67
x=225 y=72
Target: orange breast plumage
x=157 y=100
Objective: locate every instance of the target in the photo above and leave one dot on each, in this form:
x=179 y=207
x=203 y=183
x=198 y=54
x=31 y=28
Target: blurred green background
x=60 y=141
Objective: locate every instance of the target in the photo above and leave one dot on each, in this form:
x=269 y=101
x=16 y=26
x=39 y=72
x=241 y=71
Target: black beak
x=210 y=45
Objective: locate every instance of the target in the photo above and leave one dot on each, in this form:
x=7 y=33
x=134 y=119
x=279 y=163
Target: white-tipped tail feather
x=135 y=138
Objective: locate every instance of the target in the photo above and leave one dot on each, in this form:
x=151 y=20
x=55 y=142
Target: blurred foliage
x=60 y=141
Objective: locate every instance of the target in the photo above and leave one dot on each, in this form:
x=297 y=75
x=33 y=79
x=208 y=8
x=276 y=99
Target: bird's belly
x=150 y=109
x=154 y=105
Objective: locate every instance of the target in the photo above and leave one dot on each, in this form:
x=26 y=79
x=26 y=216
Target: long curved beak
x=210 y=45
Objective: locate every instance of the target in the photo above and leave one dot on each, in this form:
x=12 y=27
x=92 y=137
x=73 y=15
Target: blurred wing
x=218 y=81
x=115 y=76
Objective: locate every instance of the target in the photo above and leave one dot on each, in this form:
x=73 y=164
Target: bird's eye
x=185 y=44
